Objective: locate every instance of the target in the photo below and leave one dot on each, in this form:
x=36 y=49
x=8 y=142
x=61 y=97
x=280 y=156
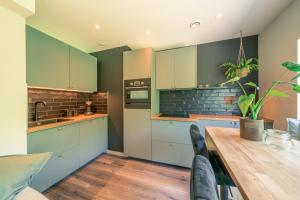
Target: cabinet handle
x=170 y=122
x=59 y=129
x=170 y=145
x=60 y=156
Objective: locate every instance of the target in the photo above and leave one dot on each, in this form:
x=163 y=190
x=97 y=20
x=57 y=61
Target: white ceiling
x=125 y=22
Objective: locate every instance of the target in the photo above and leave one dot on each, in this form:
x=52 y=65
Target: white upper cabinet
x=137 y=64
x=176 y=68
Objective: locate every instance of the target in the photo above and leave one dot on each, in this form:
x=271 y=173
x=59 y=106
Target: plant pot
x=243 y=72
x=251 y=129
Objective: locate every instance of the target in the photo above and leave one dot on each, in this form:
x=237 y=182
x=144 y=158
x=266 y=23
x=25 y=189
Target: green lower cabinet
x=57 y=168
x=93 y=139
x=72 y=146
x=172 y=153
x=171 y=142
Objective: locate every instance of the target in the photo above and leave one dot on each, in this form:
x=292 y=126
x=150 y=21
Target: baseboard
x=116 y=153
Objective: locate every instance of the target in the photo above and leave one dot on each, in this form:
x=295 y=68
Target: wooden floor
x=115 y=178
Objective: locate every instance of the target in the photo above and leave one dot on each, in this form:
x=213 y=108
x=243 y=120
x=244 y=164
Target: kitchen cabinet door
x=171 y=131
x=47 y=60
x=44 y=141
x=57 y=168
x=185 y=67
x=83 y=71
x=137 y=133
x=172 y=153
x=216 y=123
x=165 y=70
x=93 y=139
x=102 y=126
x=137 y=64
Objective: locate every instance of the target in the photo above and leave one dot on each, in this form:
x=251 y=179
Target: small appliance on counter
x=88 y=106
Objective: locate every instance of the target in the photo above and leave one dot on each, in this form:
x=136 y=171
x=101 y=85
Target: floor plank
x=115 y=178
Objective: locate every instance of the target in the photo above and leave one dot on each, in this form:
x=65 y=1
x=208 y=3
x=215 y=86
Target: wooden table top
x=259 y=171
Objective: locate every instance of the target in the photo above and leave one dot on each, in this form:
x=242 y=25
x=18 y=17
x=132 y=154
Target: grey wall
x=110 y=78
x=212 y=55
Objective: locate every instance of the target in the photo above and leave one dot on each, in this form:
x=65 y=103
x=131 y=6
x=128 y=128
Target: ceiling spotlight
x=148 y=32
x=97 y=26
x=219 y=16
x=194 y=24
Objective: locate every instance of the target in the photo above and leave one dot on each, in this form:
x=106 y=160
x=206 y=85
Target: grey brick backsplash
x=200 y=101
x=60 y=101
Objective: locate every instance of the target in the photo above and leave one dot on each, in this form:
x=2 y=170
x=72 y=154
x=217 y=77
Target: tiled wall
x=59 y=101
x=200 y=101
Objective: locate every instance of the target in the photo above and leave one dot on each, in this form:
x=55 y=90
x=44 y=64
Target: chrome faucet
x=36 y=117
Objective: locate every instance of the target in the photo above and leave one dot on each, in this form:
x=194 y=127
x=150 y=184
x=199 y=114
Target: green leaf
x=296 y=77
x=232 y=80
x=249 y=61
x=291 y=66
x=244 y=103
x=251 y=84
x=296 y=88
x=277 y=93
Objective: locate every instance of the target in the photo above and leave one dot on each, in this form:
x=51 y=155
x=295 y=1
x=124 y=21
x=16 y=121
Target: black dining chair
x=203 y=184
x=221 y=174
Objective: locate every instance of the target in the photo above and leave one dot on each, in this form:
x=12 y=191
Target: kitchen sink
x=47 y=121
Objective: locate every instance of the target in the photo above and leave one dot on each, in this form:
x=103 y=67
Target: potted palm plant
x=251 y=126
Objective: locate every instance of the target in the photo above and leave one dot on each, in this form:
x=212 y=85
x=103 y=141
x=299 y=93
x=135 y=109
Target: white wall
x=13 y=89
x=278 y=43
x=298 y=96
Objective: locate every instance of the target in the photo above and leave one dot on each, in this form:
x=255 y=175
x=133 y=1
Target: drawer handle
x=170 y=145
x=60 y=129
x=60 y=156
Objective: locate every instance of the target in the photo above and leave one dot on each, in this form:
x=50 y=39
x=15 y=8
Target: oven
x=138 y=93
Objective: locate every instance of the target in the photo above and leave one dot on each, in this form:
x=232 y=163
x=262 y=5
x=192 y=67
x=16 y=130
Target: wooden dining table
x=260 y=172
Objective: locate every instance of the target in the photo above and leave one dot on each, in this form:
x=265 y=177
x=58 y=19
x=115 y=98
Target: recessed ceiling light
x=97 y=26
x=148 y=32
x=194 y=24
x=219 y=16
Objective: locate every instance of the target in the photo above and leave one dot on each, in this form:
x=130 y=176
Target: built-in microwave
x=138 y=93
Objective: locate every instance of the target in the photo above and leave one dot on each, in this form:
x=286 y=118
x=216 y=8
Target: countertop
x=258 y=170
x=76 y=119
x=196 y=117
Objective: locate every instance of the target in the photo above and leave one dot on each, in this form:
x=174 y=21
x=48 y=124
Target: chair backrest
x=203 y=183
x=198 y=141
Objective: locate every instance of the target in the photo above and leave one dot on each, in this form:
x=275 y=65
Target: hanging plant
x=243 y=65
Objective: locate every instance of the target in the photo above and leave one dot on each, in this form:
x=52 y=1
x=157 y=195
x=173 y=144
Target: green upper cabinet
x=47 y=60
x=54 y=64
x=185 y=67
x=83 y=71
x=165 y=70
x=137 y=64
x=176 y=68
